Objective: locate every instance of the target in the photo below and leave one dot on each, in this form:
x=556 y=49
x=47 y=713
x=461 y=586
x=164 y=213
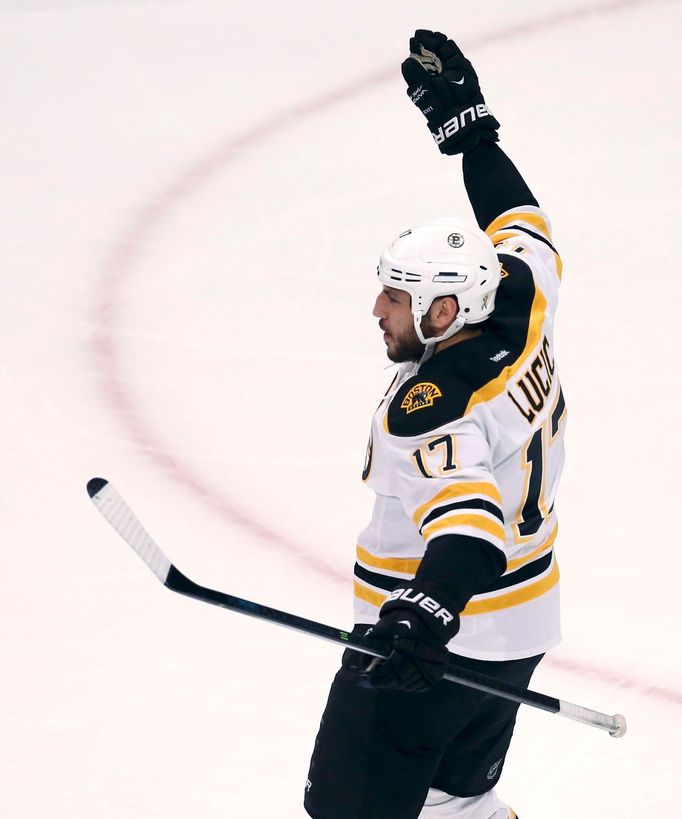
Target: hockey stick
x=123 y=519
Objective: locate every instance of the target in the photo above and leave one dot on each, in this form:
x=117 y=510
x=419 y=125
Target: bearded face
x=393 y=309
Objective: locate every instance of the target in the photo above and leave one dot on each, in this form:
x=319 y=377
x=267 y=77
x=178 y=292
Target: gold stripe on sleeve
x=519 y=216
x=502 y=222
x=492 y=527
x=406 y=565
x=457 y=490
x=474 y=607
x=513 y=598
x=368 y=595
x=559 y=265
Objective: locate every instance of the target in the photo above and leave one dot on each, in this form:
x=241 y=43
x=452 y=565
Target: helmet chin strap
x=430 y=343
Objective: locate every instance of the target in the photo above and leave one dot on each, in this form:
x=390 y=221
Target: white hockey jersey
x=470 y=445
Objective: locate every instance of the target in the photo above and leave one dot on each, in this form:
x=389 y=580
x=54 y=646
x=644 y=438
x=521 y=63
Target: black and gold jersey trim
x=472 y=503
x=507 y=226
x=529 y=571
x=376 y=579
x=534 y=235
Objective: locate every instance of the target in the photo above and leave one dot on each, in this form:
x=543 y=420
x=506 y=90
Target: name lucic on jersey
x=459 y=121
x=531 y=401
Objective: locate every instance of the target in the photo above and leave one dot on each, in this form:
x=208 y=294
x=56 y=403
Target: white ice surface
x=190 y=217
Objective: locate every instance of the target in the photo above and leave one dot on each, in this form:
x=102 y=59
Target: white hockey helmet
x=445 y=257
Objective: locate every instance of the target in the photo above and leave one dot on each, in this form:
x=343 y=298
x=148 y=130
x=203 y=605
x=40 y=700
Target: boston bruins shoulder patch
x=420 y=396
x=421 y=405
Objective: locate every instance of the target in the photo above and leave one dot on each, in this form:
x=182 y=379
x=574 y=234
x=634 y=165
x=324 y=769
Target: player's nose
x=379 y=310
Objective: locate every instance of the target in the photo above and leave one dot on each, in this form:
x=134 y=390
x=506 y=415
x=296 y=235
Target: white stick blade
x=123 y=519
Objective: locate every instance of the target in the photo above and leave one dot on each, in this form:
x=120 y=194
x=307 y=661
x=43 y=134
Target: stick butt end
x=621 y=726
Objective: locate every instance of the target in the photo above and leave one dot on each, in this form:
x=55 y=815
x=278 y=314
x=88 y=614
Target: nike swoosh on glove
x=443 y=84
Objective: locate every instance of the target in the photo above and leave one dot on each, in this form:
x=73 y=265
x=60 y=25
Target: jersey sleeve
x=526 y=231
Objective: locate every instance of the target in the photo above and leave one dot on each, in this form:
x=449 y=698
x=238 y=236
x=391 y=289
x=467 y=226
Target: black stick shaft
x=123 y=519
x=178 y=582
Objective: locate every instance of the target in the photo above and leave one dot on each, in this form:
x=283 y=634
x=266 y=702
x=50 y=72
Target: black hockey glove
x=442 y=83
x=414 y=626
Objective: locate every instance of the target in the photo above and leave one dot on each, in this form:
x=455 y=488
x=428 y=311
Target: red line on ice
x=127 y=250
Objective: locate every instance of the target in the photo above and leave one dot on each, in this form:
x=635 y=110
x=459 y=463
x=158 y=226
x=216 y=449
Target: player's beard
x=408 y=347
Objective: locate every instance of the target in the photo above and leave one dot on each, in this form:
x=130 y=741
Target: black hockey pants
x=378 y=752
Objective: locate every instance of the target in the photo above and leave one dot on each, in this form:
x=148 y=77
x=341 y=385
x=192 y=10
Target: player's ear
x=444 y=312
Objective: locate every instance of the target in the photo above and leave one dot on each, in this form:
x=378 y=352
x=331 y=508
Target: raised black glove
x=442 y=83
x=415 y=623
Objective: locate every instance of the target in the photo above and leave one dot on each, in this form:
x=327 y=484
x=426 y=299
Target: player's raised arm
x=443 y=84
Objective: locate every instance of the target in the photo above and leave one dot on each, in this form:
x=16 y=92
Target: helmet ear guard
x=445 y=257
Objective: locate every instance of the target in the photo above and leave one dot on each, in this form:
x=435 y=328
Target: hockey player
x=464 y=456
